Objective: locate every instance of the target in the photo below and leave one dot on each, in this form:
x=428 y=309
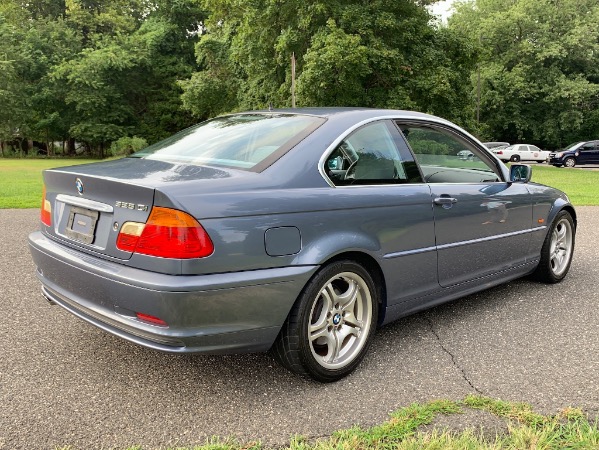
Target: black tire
x=569 y=162
x=557 y=250
x=314 y=357
x=515 y=158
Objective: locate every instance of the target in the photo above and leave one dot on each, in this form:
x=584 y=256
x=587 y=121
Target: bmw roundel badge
x=79 y=185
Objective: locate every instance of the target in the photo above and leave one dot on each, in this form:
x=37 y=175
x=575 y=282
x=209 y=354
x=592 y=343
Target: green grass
x=581 y=185
x=21 y=180
x=525 y=429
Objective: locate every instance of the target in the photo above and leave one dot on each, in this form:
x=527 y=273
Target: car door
x=587 y=153
x=374 y=171
x=537 y=154
x=593 y=154
x=482 y=222
x=523 y=152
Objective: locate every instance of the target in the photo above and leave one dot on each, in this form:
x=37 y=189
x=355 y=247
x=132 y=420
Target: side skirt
x=413 y=306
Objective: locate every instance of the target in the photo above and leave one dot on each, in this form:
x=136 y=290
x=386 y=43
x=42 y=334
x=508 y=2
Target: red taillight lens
x=499 y=152
x=151 y=319
x=46 y=210
x=168 y=233
x=129 y=236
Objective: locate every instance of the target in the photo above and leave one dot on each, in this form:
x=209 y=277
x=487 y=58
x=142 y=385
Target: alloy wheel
x=340 y=320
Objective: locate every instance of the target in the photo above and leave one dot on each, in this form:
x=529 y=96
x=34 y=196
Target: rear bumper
x=220 y=313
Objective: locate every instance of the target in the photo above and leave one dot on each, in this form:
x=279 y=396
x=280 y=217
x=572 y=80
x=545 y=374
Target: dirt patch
x=481 y=423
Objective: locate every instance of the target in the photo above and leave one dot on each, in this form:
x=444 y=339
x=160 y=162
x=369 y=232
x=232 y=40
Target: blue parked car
x=296 y=231
x=578 y=153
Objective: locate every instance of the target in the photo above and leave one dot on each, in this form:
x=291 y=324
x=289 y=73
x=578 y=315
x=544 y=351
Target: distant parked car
x=496 y=145
x=466 y=155
x=521 y=152
x=586 y=152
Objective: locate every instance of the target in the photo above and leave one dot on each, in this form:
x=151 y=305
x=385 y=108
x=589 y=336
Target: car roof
x=356 y=112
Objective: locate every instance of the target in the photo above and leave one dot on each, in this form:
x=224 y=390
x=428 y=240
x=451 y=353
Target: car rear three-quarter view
x=294 y=231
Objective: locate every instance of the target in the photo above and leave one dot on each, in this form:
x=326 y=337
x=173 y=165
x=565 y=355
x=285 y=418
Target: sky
x=442 y=9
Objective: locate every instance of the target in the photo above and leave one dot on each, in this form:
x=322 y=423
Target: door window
x=588 y=147
x=444 y=157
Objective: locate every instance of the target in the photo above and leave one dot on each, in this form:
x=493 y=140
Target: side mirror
x=520 y=173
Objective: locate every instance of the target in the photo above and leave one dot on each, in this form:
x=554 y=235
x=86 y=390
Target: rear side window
x=244 y=141
x=371 y=155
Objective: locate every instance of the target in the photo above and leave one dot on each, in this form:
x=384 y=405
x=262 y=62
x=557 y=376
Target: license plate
x=81 y=225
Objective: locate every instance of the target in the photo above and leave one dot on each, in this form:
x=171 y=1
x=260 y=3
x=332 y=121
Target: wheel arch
x=572 y=212
x=375 y=271
x=562 y=205
x=352 y=246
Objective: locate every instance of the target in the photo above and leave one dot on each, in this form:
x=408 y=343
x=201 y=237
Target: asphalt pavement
x=64 y=382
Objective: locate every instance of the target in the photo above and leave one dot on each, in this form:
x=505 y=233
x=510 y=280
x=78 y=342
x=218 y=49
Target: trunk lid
x=89 y=210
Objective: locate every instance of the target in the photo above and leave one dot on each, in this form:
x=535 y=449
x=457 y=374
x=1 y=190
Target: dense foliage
x=89 y=73
x=539 y=68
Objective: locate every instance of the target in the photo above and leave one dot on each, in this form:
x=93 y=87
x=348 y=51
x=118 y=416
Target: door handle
x=445 y=200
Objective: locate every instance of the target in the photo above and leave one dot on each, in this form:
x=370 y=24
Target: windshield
x=238 y=141
x=571 y=146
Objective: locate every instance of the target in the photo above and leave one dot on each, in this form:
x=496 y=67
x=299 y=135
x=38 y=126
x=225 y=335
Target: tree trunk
x=71 y=146
x=49 y=145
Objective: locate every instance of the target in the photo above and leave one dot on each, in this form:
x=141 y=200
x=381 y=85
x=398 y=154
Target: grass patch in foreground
x=525 y=430
x=581 y=185
x=21 y=180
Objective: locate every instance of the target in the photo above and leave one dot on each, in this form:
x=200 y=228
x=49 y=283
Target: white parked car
x=496 y=145
x=521 y=152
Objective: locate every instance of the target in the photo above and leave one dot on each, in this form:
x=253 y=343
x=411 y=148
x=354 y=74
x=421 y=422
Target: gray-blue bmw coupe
x=296 y=231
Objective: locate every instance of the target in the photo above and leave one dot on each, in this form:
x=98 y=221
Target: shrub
x=127 y=145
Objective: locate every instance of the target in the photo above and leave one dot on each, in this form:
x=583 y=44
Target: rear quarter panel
x=387 y=223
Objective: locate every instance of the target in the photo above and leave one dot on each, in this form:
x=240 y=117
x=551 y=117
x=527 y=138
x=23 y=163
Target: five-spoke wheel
x=561 y=246
x=340 y=319
x=556 y=254
x=329 y=328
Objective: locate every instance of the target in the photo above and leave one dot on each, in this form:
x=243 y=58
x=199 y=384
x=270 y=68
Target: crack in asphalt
x=451 y=355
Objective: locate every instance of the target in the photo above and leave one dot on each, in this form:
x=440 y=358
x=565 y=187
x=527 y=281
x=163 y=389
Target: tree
x=383 y=53
x=124 y=82
x=539 y=67
x=14 y=124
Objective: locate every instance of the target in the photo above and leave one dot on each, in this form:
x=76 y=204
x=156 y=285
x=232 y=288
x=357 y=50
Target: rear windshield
x=239 y=141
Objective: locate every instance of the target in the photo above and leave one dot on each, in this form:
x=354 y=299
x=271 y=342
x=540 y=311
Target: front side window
x=369 y=156
x=588 y=147
x=444 y=157
x=239 y=141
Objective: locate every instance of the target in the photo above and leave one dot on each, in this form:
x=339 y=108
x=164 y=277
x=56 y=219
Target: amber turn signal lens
x=46 y=210
x=168 y=233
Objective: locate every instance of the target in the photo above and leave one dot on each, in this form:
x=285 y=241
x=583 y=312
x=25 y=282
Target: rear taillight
x=499 y=152
x=46 y=210
x=168 y=233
